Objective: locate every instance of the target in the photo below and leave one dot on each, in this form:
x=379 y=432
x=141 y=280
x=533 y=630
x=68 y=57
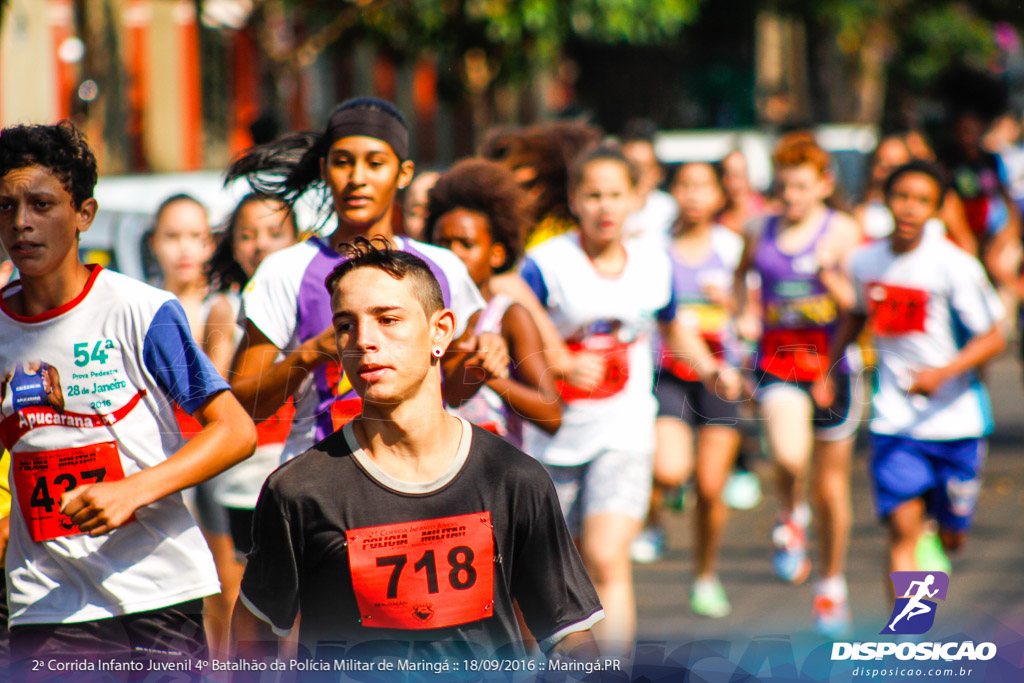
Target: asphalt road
x=986 y=592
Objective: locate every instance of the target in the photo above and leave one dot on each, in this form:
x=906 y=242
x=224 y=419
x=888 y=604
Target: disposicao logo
x=914 y=614
x=916 y=593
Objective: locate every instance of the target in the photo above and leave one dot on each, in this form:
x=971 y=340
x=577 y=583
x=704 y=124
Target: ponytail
x=285 y=169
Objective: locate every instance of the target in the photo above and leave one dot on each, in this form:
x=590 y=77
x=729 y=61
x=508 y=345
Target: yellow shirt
x=550 y=226
x=5 y=486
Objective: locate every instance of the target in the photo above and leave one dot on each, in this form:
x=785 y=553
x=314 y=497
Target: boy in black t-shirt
x=409 y=529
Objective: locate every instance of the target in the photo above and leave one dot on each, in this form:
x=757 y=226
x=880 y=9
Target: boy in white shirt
x=935 y=320
x=104 y=560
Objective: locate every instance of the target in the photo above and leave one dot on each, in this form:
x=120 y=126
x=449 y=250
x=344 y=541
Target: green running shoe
x=929 y=554
x=708 y=599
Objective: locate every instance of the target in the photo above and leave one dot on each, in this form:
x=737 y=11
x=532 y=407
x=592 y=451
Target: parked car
x=127 y=204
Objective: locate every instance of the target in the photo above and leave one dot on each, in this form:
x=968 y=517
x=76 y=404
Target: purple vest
x=799 y=312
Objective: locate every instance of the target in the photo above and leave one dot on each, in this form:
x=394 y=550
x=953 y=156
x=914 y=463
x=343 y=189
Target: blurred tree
x=867 y=46
x=105 y=112
x=480 y=44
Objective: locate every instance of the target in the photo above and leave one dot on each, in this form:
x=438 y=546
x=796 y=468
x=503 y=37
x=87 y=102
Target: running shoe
x=789 y=552
x=929 y=554
x=648 y=546
x=832 y=616
x=742 y=491
x=708 y=599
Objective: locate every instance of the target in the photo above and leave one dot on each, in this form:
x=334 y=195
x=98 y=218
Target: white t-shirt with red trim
x=88 y=394
x=615 y=317
x=923 y=307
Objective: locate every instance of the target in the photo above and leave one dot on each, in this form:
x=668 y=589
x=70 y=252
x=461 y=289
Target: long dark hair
x=223 y=272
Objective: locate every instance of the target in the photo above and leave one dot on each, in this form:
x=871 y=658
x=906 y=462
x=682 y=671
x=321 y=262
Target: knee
x=709 y=490
x=607 y=563
x=671 y=473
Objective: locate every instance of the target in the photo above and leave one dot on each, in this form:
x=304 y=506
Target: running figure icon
x=915 y=606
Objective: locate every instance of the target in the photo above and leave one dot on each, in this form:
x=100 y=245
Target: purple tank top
x=799 y=313
x=314 y=316
x=710 y=320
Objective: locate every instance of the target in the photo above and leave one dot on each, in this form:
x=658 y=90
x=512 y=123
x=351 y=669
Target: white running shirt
x=87 y=395
x=924 y=305
x=583 y=304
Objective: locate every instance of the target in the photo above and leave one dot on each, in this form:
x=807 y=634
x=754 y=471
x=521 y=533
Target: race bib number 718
x=425 y=574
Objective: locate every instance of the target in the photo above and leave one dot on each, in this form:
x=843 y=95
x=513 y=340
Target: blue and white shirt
x=924 y=306
x=112 y=362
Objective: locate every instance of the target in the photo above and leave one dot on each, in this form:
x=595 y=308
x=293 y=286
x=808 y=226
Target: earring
x=438 y=353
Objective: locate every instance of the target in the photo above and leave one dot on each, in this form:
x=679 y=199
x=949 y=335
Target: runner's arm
x=979 y=350
x=851 y=324
x=844 y=236
x=218 y=335
x=514 y=287
x=1002 y=254
x=580 y=646
x=261 y=382
x=251 y=637
x=957 y=228
x=471 y=361
x=748 y=305
x=684 y=342
x=532 y=395
x=228 y=436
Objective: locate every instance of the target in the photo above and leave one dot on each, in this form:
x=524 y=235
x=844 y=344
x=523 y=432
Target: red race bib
x=616 y=372
x=344 y=410
x=683 y=370
x=795 y=354
x=427 y=574
x=42 y=477
x=896 y=311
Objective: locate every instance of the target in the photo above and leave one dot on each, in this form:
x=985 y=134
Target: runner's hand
x=725 y=382
x=927 y=381
x=327 y=343
x=587 y=371
x=490 y=355
x=100 y=508
x=823 y=392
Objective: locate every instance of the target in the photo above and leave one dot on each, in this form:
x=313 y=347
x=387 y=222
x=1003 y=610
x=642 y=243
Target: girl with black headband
x=356 y=165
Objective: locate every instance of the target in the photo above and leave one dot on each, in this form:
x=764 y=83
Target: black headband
x=371 y=123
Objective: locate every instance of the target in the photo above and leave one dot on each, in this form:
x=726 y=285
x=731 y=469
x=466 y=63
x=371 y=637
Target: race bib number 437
x=426 y=574
x=42 y=477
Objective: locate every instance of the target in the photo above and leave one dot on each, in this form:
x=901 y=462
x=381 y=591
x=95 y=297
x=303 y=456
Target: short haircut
x=378 y=253
x=487 y=188
x=928 y=168
x=603 y=152
x=799 y=148
x=59 y=148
